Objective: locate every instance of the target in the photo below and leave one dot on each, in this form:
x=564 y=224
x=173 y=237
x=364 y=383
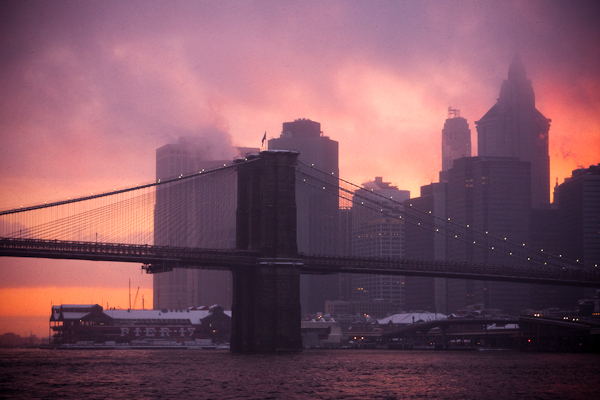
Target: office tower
x=513 y=127
x=578 y=199
x=317 y=210
x=493 y=195
x=378 y=233
x=456 y=141
x=345 y=245
x=423 y=293
x=206 y=218
x=545 y=234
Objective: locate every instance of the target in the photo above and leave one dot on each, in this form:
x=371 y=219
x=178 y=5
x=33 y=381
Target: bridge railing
x=379 y=220
x=460 y=270
x=156 y=258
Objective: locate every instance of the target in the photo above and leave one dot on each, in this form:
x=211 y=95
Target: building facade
x=423 y=293
x=456 y=141
x=378 y=232
x=199 y=213
x=488 y=194
x=91 y=324
x=513 y=127
x=578 y=199
x=317 y=212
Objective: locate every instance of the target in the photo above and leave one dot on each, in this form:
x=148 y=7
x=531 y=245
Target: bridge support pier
x=266 y=311
x=266 y=298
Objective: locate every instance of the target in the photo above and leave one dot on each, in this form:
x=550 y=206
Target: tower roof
x=302 y=127
x=516 y=71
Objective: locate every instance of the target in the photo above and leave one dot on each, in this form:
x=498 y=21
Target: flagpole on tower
x=264 y=139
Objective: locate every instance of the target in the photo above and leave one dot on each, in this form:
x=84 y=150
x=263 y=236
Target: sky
x=89 y=90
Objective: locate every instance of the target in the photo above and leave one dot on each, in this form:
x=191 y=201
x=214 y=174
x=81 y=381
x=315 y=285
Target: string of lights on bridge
x=387 y=206
x=318 y=179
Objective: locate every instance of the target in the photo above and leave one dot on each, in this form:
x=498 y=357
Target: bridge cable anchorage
x=466 y=234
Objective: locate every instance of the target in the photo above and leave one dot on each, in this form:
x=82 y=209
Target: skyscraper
x=578 y=199
x=423 y=293
x=513 y=127
x=378 y=234
x=456 y=141
x=492 y=195
x=186 y=215
x=318 y=212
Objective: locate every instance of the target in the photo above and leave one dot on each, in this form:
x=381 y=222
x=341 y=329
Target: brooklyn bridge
x=245 y=219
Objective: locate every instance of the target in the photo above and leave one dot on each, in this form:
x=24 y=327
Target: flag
x=264 y=139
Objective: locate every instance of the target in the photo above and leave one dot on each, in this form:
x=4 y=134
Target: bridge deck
x=165 y=258
x=566 y=276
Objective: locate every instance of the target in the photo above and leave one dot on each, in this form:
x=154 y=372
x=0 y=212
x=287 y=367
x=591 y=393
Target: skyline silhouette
x=91 y=90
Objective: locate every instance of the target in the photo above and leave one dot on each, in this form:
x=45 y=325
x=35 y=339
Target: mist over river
x=312 y=374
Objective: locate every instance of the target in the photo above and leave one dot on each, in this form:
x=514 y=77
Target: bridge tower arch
x=266 y=297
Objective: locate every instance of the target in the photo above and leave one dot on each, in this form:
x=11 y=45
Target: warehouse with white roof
x=90 y=323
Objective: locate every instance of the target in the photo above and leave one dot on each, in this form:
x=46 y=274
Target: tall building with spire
x=513 y=127
x=456 y=141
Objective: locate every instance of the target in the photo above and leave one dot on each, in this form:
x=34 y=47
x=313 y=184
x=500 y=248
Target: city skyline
x=90 y=91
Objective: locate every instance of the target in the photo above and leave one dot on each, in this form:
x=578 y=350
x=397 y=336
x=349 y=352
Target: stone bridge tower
x=266 y=297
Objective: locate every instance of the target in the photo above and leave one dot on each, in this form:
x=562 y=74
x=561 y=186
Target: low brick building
x=73 y=323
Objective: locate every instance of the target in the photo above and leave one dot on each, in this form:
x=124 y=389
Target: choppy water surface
x=318 y=374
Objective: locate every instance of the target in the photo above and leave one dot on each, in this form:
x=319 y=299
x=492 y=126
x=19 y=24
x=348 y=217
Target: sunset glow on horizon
x=90 y=90
x=32 y=303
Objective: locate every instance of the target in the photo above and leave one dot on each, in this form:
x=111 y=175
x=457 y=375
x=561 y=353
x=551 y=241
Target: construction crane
x=136 y=296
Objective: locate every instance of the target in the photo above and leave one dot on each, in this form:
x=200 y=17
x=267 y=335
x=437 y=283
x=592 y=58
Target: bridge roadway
x=540 y=274
x=161 y=258
x=164 y=258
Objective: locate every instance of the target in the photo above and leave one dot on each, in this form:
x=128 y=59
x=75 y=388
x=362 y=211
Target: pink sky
x=89 y=91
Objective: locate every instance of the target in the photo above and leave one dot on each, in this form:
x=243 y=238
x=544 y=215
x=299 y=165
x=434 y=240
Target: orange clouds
x=575 y=128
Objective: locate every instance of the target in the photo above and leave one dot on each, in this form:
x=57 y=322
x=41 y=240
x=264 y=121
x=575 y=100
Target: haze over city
x=91 y=90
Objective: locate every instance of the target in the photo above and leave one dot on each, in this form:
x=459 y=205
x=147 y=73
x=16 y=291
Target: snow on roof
x=323 y=319
x=194 y=316
x=507 y=326
x=407 y=318
x=74 y=315
x=76 y=305
x=78 y=311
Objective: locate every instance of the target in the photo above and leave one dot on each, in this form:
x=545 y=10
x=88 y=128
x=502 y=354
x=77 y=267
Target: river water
x=312 y=374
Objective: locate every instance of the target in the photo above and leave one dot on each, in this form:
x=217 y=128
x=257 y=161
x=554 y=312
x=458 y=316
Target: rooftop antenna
x=453 y=113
